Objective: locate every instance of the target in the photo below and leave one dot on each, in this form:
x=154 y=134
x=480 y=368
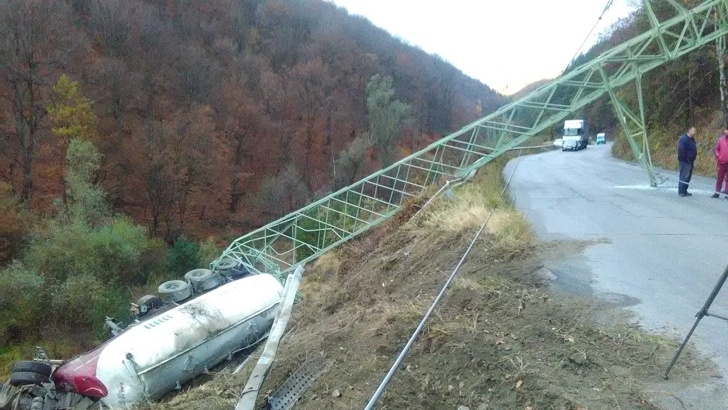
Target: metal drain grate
x=288 y=393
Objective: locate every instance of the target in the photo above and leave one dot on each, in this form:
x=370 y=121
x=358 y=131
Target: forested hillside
x=138 y=137
x=206 y=109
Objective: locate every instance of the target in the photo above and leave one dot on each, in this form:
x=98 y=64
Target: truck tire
x=148 y=303
x=202 y=280
x=33 y=366
x=198 y=275
x=231 y=269
x=26 y=378
x=175 y=290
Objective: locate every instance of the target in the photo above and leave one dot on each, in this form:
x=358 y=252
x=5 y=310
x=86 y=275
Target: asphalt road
x=658 y=255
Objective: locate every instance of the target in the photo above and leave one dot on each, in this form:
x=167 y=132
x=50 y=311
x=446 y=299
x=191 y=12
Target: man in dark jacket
x=687 y=151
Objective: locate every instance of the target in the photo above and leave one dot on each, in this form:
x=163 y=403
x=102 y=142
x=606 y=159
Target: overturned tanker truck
x=193 y=325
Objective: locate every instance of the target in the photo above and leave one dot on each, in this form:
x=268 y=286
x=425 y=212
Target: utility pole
x=691 y=94
x=720 y=45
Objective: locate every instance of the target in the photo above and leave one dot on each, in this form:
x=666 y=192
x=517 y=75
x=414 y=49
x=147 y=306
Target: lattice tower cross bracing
x=307 y=233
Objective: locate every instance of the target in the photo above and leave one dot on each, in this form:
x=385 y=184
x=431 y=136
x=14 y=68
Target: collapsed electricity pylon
x=307 y=233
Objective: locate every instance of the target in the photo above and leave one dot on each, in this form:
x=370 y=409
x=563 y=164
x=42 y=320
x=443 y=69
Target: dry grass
x=328 y=264
x=317 y=279
x=455 y=212
x=469 y=206
x=510 y=228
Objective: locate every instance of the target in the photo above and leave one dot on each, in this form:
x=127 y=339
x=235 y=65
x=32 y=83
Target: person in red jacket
x=721 y=159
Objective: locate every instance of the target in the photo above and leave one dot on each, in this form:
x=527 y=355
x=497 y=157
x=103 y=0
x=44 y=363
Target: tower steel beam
x=307 y=233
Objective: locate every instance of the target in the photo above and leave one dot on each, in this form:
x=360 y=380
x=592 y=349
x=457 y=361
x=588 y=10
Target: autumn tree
x=86 y=199
x=242 y=15
x=157 y=191
x=114 y=83
x=110 y=23
x=312 y=87
x=180 y=154
x=282 y=193
x=283 y=31
x=387 y=117
x=157 y=175
x=14 y=224
x=70 y=112
x=73 y=121
x=192 y=138
x=242 y=121
x=32 y=35
x=71 y=117
x=197 y=74
x=351 y=161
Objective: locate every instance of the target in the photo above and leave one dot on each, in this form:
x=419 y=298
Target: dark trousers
x=686 y=172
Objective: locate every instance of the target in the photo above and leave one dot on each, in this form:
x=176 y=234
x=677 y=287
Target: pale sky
x=506 y=44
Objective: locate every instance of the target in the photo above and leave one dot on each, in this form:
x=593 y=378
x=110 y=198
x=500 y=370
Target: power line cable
x=606 y=8
x=385 y=382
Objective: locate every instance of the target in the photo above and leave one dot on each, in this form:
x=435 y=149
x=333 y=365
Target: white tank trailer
x=147 y=360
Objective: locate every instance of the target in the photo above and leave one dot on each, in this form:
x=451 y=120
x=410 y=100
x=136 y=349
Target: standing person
x=721 y=159
x=687 y=151
x=720 y=136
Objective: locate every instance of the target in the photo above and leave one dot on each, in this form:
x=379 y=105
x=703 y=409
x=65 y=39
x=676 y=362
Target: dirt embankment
x=499 y=340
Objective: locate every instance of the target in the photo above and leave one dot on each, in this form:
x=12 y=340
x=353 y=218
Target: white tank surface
x=150 y=359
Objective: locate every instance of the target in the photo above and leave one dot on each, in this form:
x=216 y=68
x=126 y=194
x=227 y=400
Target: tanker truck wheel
x=26 y=378
x=32 y=366
x=198 y=275
x=148 y=304
x=231 y=269
x=202 y=280
x=175 y=290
